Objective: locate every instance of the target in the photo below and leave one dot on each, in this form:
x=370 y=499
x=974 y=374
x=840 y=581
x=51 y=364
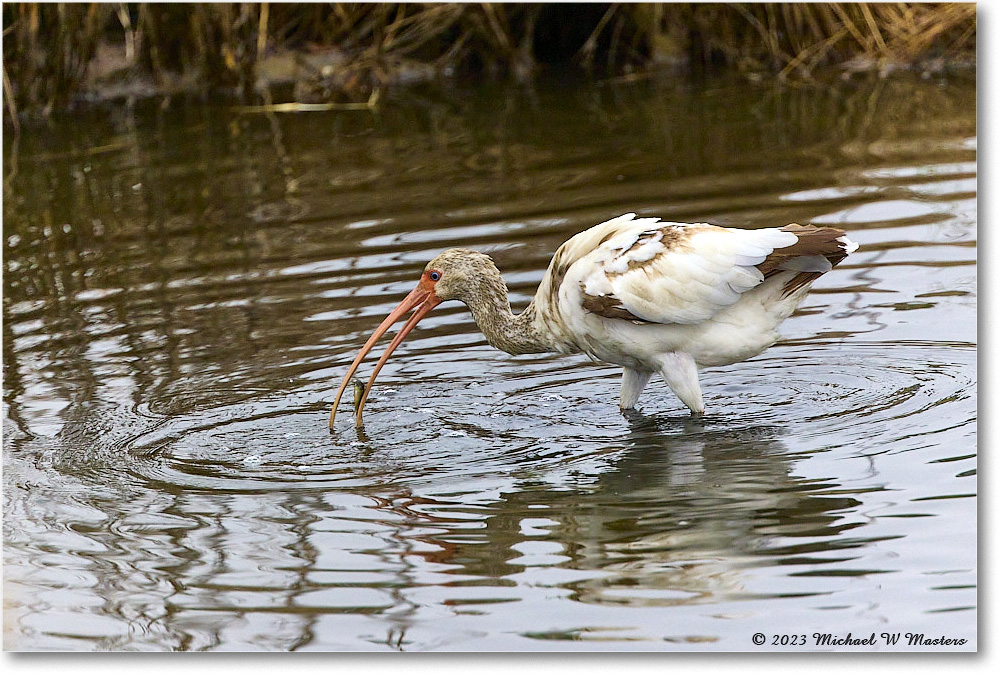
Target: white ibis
x=650 y=296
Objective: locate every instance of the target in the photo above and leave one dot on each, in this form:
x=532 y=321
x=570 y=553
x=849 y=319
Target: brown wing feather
x=813 y=241
x=609 y=307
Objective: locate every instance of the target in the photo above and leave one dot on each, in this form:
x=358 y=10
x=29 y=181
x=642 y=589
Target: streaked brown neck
x=513 y=333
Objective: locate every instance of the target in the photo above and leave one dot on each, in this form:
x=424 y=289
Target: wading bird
x=650 y=296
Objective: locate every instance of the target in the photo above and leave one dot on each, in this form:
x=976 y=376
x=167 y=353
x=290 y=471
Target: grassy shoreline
x=334 y=54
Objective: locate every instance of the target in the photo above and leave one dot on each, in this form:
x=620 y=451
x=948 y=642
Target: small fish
x=359 y=393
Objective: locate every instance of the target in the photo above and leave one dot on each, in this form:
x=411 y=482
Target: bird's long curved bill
x=420 y=297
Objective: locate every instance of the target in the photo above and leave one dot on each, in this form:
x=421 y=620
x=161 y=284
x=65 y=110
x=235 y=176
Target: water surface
x=184 y=286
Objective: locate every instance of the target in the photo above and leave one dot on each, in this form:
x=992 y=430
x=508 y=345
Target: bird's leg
x=681 y=374
x=633 y=382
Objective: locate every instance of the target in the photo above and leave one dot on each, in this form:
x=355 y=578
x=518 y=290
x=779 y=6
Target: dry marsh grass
x=55 y=53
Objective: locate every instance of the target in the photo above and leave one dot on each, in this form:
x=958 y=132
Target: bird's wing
x=677 y=273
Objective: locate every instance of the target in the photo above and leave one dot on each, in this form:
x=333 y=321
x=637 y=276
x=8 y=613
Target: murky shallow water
x=183 y=289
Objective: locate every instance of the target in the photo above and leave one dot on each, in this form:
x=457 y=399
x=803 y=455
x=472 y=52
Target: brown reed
x=51 y=52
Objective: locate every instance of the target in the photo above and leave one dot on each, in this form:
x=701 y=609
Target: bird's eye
x=435 y=275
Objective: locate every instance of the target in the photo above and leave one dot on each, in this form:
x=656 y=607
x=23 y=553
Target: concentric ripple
x=857 y=398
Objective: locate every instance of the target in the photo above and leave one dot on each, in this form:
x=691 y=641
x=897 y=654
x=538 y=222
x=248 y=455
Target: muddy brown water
x=183 y=288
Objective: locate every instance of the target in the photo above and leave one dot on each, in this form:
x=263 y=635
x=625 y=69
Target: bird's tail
x=816 y=252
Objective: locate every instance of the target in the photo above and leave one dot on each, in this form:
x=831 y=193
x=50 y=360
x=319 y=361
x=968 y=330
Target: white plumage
x=669 y=297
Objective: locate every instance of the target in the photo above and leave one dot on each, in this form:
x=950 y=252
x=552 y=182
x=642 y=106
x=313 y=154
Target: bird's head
x=455 y=274
x=460 y=274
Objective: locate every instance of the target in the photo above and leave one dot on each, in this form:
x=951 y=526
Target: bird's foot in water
x=631 y=413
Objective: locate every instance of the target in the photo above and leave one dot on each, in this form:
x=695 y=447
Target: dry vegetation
x=54 y=54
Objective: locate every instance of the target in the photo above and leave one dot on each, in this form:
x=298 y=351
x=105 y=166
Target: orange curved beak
x=423 y=298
